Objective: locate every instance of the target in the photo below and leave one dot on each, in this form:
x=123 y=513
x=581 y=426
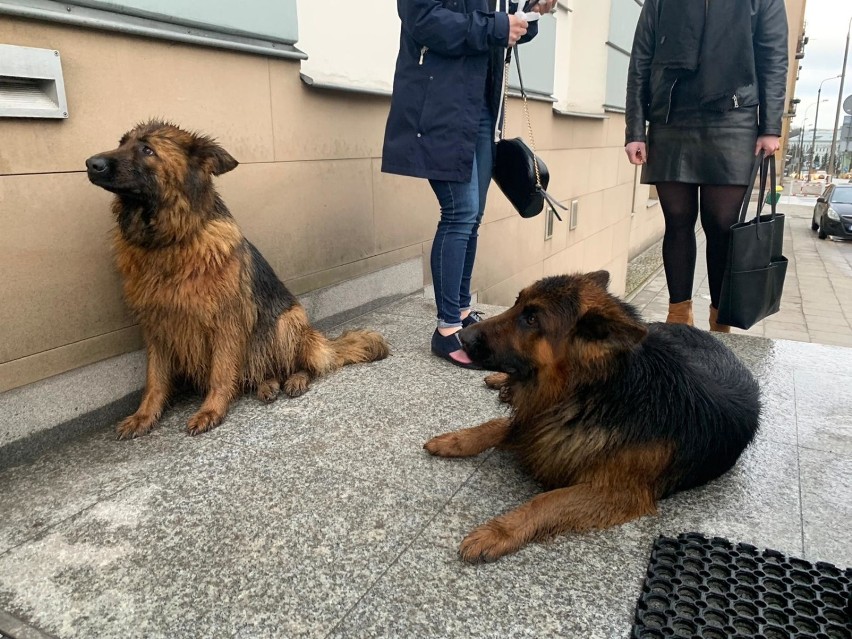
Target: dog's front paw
x=505 y=394
x=297 y=384
x=203 y=421
x=496 y=380
x=488 y=543
x=135 y=426
x=268 y=390
x=447 y=445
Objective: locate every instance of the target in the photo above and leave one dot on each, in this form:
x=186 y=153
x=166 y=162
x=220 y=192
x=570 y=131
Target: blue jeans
x=454 y=249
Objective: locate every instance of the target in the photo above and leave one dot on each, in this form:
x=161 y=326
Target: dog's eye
x=147 y=150
x=530 y=320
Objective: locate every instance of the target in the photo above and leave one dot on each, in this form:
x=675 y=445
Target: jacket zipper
x=736 y=102
x=423 y=51
x=671 y=93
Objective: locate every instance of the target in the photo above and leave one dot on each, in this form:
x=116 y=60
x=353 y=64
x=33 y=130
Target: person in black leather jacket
x=709 y=76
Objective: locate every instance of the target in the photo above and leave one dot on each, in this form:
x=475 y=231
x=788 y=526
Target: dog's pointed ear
x=601 y=278
x=212 y=157
x=618 y=332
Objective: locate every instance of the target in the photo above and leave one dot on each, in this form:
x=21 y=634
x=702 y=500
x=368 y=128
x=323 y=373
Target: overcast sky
x=826 y=25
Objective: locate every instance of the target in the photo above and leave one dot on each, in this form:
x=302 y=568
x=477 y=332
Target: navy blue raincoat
x=450 y=63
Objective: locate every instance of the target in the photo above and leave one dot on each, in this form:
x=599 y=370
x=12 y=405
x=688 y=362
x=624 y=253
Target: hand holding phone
x=529 y=15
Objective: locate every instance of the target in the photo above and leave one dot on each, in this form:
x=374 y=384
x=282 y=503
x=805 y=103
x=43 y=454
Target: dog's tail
x=323 y=355
x=354 y=347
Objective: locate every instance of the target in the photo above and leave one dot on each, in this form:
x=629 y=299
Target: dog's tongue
x=461 y=357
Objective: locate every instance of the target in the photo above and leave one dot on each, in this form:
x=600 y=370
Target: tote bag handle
x=766 y=166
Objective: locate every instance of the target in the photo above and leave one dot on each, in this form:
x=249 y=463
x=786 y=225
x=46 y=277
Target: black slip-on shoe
x=442 y=346
x=474 y=317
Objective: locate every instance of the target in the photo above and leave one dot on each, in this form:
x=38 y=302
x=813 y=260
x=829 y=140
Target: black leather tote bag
x=754 y=275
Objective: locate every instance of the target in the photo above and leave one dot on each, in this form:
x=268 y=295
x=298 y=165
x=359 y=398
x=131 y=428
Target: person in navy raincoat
x=445 y=109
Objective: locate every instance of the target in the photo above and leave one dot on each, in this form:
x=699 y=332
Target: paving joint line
x=408 y=546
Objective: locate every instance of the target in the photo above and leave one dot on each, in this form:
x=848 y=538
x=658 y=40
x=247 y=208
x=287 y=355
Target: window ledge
x=580 y=114
x=331 y=85
x=145 y=27
x=539 y=97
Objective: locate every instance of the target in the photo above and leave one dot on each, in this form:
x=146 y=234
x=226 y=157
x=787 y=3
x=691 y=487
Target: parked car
x=833 y=212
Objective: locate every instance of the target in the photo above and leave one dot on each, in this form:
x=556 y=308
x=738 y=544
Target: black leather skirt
x=702 y=147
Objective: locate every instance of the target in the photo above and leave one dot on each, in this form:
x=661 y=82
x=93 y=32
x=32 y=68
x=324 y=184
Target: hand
x=543 y=7
x=768 y=143
x=517 y=29
x=636 y=152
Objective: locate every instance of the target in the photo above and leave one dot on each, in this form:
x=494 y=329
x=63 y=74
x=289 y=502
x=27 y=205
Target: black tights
x=720 y=206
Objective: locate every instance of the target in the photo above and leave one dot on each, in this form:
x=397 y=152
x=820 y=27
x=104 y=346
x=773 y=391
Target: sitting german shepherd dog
x=211 y=308
x=608 y=413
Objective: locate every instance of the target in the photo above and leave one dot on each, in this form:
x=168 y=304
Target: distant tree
x=836 y=166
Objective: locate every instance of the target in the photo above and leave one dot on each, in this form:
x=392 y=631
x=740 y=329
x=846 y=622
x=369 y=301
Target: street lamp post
x=802 y=137
x=839 y=100
x=816 y=123
x=802 y=143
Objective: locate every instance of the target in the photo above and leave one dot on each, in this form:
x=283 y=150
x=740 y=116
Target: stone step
x=39 y=416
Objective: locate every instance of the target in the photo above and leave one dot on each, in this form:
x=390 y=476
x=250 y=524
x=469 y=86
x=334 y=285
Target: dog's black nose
x=470 y=337
x=97 y=164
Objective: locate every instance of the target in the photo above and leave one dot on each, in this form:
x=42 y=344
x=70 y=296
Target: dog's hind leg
x=158 y=385
x=468 y=442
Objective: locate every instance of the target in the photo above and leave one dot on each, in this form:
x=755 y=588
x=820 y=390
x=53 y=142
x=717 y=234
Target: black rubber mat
x=712 y=589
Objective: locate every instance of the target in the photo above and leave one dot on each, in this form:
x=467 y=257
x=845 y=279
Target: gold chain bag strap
x=520 y=174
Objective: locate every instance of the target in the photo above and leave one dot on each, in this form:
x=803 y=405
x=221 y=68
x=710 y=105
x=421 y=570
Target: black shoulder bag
x=518 y=171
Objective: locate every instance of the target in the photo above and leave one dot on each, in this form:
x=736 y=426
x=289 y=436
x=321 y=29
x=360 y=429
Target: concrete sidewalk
x=323 y=517
x=817 y=302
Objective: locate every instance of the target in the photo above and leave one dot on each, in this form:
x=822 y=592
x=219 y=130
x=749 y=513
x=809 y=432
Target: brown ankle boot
x=714 y=325
x=680 y=313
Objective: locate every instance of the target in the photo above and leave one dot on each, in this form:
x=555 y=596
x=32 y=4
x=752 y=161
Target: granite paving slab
x=756 y=502
x=372 y=420
x=826 y=480
x=824 y=410
x=78 y=474
x=230 y=543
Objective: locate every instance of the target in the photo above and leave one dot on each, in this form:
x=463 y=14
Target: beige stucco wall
x=309 y=191
x=796 y=27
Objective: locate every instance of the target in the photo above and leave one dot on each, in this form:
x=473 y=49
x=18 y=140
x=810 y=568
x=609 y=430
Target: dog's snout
x=97 y=164
x=472 y=341
x=468 y=336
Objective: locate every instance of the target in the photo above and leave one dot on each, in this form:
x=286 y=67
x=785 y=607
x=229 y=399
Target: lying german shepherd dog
x=211 y=308
x=608 y=413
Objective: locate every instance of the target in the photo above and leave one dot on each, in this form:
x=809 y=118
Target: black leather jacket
x=650 y=88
